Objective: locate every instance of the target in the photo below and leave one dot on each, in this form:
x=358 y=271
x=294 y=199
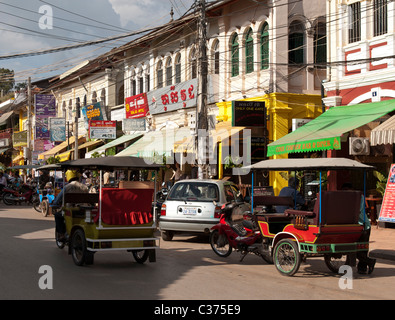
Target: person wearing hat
x=73 y=186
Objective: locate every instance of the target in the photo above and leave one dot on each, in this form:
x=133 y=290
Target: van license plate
x=189 y=211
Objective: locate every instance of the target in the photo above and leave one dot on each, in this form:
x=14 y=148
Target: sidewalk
x=382 y=243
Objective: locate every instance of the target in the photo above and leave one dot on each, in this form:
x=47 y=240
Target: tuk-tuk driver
x=291 y=191
x=73 y=186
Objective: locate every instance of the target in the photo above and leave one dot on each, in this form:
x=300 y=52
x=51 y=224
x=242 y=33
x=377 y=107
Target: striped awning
x=384 y=133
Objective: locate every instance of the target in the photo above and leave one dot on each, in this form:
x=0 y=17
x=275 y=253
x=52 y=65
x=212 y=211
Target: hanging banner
x=57 y=128
x=248 y=114
x=42 y=128
x=387 y=213
x=19 y=139
x=102 y=129
x=134 y=125
x=136 y=106
x=171 y=98
x=93 y=112
x=45 y=105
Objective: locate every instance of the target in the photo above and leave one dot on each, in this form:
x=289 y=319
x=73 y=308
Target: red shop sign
x=136 y=106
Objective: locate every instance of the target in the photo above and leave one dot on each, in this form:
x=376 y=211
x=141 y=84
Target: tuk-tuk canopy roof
x=323 y=164
x=54 y=166
x=109 y=163
x=21 y=167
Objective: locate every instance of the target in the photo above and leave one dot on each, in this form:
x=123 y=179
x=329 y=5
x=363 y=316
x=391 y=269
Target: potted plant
x=381 y=184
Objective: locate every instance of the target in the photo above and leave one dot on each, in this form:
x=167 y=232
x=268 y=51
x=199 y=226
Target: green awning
x=324 y=132
x=114 y=143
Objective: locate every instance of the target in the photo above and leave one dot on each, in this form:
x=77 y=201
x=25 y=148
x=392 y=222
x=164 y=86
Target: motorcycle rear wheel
x=220 y=244
x=36 y=203
x=6 y=199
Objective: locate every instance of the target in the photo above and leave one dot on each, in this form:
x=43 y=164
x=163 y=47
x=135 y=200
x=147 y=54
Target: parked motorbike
x=160 y=198
x=17 y=196
x=236 y=230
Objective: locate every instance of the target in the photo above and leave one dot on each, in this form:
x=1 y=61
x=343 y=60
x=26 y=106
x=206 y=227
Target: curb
x=382 y=254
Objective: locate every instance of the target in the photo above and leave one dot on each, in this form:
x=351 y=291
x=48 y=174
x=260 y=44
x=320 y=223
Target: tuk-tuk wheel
x=79 y=250
x=45 y=207
x=140 y=255
x=286 y=257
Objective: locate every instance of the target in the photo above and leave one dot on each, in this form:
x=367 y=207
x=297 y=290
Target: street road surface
x=186 y=269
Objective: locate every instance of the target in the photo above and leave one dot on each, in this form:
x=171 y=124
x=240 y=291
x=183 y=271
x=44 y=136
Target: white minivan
x=194 y=206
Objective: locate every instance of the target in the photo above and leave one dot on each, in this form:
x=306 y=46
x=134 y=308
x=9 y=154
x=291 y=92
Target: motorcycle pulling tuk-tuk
x=114 y=218
x=47 y=195
x=330 y=229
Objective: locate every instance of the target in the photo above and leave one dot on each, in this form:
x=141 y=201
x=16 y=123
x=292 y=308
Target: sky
x=33 y=25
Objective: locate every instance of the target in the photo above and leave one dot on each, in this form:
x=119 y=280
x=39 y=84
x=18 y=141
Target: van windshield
x=196 y=191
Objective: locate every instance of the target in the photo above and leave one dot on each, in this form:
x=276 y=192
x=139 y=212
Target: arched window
x=103 y=96
x=169 y=72
x=141 y=80
x=235 y=55
x=296 y=43
x=320 y=44
x=64 y=109
x=133 y=82
x=70 y=110
x=193 y=64
x=249 y=52
x=78 y=107
x=265 y=46
x=159 y=75
x=147 y=78
x=216 y=57
x=94 y=97
x=121 y=95
x=178 y=68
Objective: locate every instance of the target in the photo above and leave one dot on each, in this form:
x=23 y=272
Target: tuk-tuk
x=47 y=195
x=329 y=229
x=119 y=218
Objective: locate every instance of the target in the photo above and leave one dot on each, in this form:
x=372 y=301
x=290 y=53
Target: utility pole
x=77 y=114
x=29 y=121
x=202 y=67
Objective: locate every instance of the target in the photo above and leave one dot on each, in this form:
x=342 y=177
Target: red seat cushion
x=126 y=206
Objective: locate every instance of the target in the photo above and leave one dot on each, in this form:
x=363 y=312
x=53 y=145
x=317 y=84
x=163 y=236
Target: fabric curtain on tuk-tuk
x=126 y=206
x=324 y=132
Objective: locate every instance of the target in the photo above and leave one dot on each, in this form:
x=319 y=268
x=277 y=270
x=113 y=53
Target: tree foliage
x=7 y=80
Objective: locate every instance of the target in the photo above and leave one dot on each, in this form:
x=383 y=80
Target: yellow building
x=281 y=109
x=20 y=138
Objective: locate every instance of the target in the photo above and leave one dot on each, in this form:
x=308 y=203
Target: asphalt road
x=186 y=269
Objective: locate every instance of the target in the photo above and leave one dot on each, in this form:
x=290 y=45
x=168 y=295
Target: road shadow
x=28 y=244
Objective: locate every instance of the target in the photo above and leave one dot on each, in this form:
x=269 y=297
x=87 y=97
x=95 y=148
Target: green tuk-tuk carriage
x=120 y=218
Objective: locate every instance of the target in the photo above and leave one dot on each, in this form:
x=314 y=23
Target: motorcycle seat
x=248 y=224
